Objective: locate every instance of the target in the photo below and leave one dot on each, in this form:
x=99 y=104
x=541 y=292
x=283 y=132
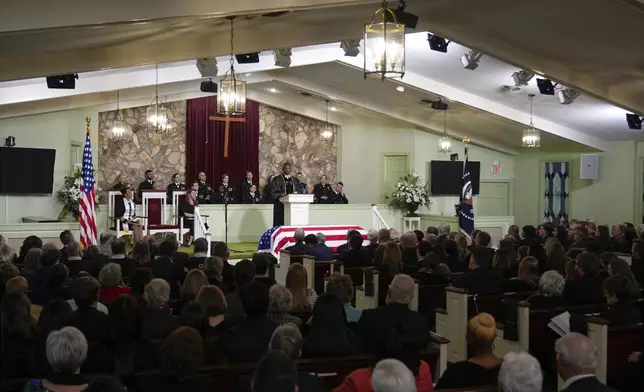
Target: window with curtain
x=556 y=192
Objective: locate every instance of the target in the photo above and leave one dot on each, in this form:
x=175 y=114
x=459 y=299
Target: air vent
x=275 y=14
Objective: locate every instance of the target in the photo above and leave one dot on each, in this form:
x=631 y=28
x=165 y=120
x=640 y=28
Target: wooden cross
x=227 y=120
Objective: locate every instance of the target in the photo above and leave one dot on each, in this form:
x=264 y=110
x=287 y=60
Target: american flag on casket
x=281 y=237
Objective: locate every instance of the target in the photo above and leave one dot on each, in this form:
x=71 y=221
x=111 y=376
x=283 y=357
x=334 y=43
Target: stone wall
x=285 y=136
x=141 y=150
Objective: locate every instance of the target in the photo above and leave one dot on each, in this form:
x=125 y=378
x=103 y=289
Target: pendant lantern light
x=231 y=92
x=531 y=135
x=384 y=41
x=445 y=143
x=157 y=113
x=327 y=133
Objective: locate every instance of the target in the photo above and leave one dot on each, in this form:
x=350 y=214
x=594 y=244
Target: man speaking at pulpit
x=282 y=185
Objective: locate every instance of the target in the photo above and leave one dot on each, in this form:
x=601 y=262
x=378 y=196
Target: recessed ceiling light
x=248 y=74
x=272 y=90
x=333 y=108
x=401 y=89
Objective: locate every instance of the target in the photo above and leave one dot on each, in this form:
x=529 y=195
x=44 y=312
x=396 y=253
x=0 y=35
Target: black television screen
x=26 y=170
x=445 y=177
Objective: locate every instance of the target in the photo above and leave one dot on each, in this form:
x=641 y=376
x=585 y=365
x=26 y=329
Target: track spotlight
x=208 y=86
x=247 y=58
x=634 y=121
x=408 y=19
x=207 y=67
x=545 y=86
x=437 y=43
x=351 y=47
x=67 y=82
x=522 y=77
x=471 y=59
x=567 y=96
x=282 y=57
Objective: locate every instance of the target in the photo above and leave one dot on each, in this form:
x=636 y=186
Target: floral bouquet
x=409 y=194
x=69 y=194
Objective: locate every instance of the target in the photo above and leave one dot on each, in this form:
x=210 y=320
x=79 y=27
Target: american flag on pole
x=87 y=207
x=281 y=237
x=466 y=209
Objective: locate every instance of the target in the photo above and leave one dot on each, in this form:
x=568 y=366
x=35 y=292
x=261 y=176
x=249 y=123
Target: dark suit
x=225 y=194
x=360 y=257
x=339 y=198
x=481 y=281
x=245 y=187
x=204 y=194
x=622 y=314
x=377 y=324
x=95 y=325
x=588 y=384
x=174 y=187
x=298 y=247
x=127 y=265
x=248 y=341
x=323 y=193
x=321 y=252
x=249 y=198
x=157 y=324
x=586 y=290
x=143 y=186
x=620 y=245
x=280 y=186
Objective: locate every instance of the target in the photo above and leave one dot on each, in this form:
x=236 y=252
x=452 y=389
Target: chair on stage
x=154 y=206
x=177 y=201
x=113 y=225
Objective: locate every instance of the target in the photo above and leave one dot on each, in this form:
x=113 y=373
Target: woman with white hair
x=111 y=282
x=520 y=372
x=6 y=253
x=550 y=295
x=280 y=302
x=66 y=352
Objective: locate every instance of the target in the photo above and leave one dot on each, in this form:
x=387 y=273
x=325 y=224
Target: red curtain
x=205 y=143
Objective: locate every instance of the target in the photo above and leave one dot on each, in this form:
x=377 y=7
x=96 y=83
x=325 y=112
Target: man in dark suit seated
x=299 y=246
x=244 y=272
x=582 y=239
x=200 y=254
x=357 y=255
x=377 y=324
x=156 y=323
x=248 y=341
x=576 y=363
x=586 y=288
x=74 y=261
x=66 y=238
x=262 y=262
x=529 y=234
x=344 y=247
x=220 y=249
x=338 y=196
x=618 y=241
x=119 y=257
x=321 y=252
x=480 y=279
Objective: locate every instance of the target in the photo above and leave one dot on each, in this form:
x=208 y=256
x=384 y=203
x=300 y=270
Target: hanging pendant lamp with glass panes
x=119 y=129
x=157 y=113
x=531 y=135
x=231 y=92
x=445 y=143
x=327 y=133
x=384 y=42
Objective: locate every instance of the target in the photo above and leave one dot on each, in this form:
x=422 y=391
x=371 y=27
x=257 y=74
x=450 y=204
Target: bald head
x=576 y=355
x=401 y=290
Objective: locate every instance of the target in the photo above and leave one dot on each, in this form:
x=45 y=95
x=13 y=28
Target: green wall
x=610 y=199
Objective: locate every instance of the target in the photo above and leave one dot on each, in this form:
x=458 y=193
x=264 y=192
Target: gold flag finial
x=88 y=120
x=466 y=140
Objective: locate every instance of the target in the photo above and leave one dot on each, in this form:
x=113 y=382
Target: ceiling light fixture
x=384 y=41
x=634 y=121
x=445 y=143
x=531 y=136
x=333 y=109
x=522 y=77
x=545 y=86
x=207 y=67
x=401 y=89
x=471 y=59
x=272 y=90
x=282 y=57
x=327 y=133
x=246 y=58
x=436 y=43
x=231 y=95
x=351 y=47
x=157 y=113
x=568 y=95
x=118 y=128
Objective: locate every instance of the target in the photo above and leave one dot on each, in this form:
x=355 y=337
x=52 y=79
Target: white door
x=494 y=199
x=396 y=166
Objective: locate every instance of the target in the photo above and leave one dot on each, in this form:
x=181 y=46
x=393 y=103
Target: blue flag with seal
x=466 y=209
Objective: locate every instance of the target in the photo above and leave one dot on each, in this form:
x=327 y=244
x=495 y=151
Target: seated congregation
x=156 y=319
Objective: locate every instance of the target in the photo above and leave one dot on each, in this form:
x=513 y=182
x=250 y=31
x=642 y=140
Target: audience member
x=247 y=342
x=502 y=263
x=529 y=234
x=319 y=251
x=194 y=281
x=297 y=283
x=299 y=246
x=213 y=303
x=58 y=288
x=483 y=239
x=119 y=256
x=384 y=236
x=513 y=231
x=105 y=246
x=124 y=332
x=93 y=260
x=454 y=261
x=618 y=242
x=275 y=372
x=550 y=295
x=329 y=334
x=618 y=291
x=356 y=255
x=280 y=303
x=480 y=279
x=220 y=249
x=8 y=271
x=193 y=316
x=344 y=247
x=483 y=368
x=111 y=282
x=16 y=285
x=140 y=278
x=261 y=262
x=31 y=242
x=586 y=288
x=6 y=253
x=244 y=272
x=72 y=257
x=341 y=287
x=66 y=351
x=32 y=262
x=576 y=363
x=527 y=279
x=54 y=316
x=520 y=372
x=562 y=236
x=370 y=250
x=212 y=268
x=377 y=323
x=164 y=267
x=156 y=323
x=392 y=263
x=618 y=266
x=140 y=254
x=556 y=257
x=391 y=375
x=17 y=337
x=66 y=238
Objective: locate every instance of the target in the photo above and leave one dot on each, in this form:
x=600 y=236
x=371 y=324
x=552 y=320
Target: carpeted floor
x=241 y=250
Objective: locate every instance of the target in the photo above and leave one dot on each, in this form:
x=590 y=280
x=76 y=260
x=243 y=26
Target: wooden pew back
x=614 y=345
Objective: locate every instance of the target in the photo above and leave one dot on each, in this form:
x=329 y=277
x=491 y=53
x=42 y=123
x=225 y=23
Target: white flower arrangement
x=409 y=194
x=69 y=194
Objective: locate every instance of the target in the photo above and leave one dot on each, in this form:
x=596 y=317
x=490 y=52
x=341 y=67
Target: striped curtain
x=556 y=198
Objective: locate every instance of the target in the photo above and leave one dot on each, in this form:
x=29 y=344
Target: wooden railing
x=378 y=221
x=200 y=230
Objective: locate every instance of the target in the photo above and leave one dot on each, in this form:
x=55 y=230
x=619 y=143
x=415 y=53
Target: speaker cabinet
x=589 y=169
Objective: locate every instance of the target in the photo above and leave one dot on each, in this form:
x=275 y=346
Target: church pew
x=286 y=259
x=319 y=271
x=614 y=345
x=460 y=306
x=367 y=294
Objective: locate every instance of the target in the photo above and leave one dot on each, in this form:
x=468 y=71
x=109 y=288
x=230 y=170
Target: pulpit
x=296 y=209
